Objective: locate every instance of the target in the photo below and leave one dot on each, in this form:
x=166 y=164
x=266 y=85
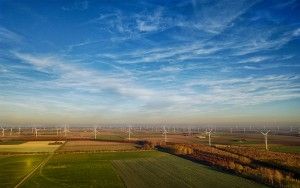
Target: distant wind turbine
x=266 y=138
x=209 y=138
x=95 y=133
x=3 y=131
x=165 y=133
x=129 y=132
x=36 y=132
x=66 y=130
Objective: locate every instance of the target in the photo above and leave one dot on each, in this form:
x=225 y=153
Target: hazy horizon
x=184 y=62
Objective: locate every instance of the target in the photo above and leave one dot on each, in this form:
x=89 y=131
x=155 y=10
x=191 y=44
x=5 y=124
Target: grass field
x=14 y=167
x=286 y=149
x=94 y=146
x=131 y=169
x=32 y=146
x=110 y=137
x=171 y=171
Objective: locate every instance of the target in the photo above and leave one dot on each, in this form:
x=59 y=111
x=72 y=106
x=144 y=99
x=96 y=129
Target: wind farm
x=135 y=147
x=149 y=93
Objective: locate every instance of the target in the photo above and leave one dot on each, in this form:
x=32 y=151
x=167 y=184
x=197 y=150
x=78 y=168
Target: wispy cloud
x=7 y=36
x=215 y=16
x=126 y=58
x=77 y=5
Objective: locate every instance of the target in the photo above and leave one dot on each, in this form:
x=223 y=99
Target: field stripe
x=34 y=170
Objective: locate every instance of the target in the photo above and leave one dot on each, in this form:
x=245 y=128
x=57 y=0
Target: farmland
x=130 y=169
x=126 y=166
x=94 y=146
x=78 y=158
x=14 y=167
x=24 y=147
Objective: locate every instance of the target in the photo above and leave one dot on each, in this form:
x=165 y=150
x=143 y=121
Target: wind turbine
x=19 y=131
x=129 y=132
x=165 y=133
x=3 y=131
x=266 y=138
x=58 y=130
x=10 y=133
x=36 y=132
x=209 y=138
x=95 y=133
x=66 y=130
x=189 y=131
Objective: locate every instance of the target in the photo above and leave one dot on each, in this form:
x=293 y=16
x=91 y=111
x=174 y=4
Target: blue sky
x=149 y=61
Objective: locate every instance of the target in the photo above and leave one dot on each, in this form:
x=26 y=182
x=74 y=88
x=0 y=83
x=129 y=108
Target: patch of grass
x=286 y=149
x=172 y=171
x=13 y=168
x=82 y=170
x=11 y=142
x=33 y=146
x=96 y=146
x=120 y=169
x=110 y=137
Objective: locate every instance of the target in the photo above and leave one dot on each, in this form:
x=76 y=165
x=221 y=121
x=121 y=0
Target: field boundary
x=34 y=170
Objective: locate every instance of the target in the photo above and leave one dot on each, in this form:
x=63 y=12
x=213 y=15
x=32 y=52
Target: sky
x=206 y=61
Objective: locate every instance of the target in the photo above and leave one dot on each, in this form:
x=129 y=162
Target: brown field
x=94 y=146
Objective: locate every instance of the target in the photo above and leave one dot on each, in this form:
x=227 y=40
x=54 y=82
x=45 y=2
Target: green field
x=130 y=169
x=286 y=149
x=171 y=171
x=110 y=137
x=14 y=167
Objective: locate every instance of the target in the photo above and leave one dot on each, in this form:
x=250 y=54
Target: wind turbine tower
x=36 y=132
x=266 y=138
x=209 y=138
x=95 y=133
x=3 y=131
x=165 y=133
x=129 y=133
x=66 y=130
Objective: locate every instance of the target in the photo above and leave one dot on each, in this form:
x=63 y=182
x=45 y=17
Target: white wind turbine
x=66 y=130
x=189 y=131
x=129 y=132
x=58 y=130
x=266 y=138
x=10 y=133
x=3 y=131
x=36 y=132
x=209 y=136
x=165 y=133
x=95 y=132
